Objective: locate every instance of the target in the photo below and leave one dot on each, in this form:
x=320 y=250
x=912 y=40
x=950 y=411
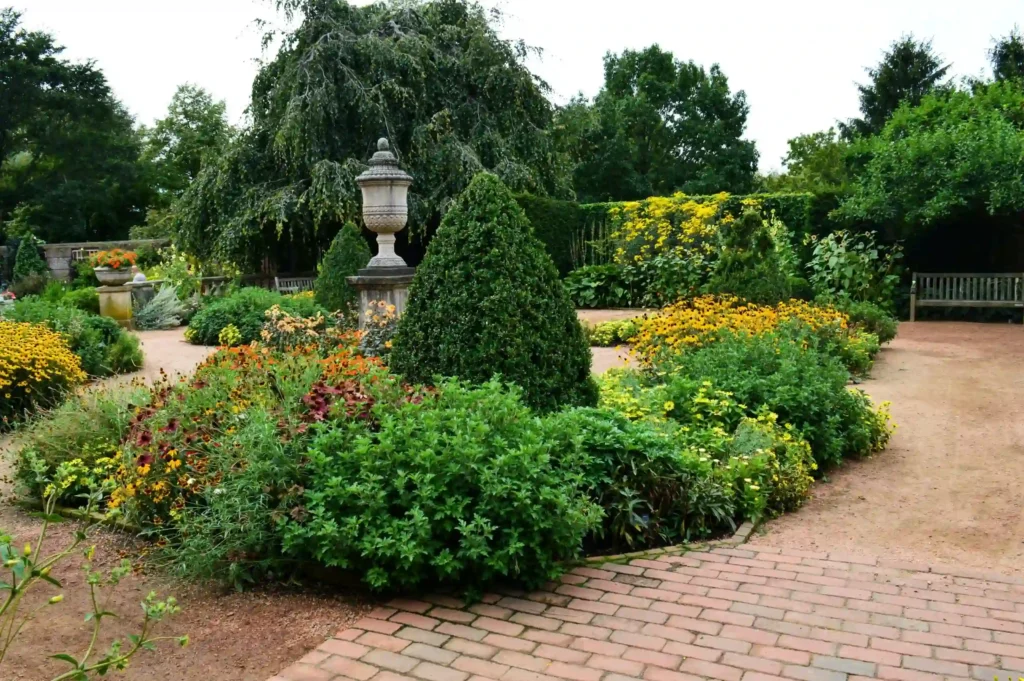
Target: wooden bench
x=966 y=290
x=293 y=284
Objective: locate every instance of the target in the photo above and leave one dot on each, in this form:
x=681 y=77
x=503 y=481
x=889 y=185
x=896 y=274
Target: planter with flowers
x=113 y=267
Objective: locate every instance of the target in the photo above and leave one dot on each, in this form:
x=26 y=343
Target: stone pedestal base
x=389 y=284
x=116 y=303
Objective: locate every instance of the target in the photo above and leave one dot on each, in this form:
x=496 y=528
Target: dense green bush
x=605 y=334
x=487 y=300
x=245 y=309
x=124 y=355
x=653 y=490
x=749 y=265
x=103 y=347
x=803 y=386
x=30 y=285
x=28 y=261
x=852 y=266
x=869 y=317
x=347 y=255
x=455 y=489
x=86 y=299
x=598 y=286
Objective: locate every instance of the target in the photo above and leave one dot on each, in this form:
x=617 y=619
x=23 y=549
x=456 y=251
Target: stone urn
x=108 y=276
x=385 y=188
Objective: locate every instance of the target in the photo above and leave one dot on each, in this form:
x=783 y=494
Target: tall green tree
x=434 y=77
x=909 y=70
x=69 y=151
x=815 y=162
x=659 y=125
x=194 y=131
x=955 y=156
x=1007 y=56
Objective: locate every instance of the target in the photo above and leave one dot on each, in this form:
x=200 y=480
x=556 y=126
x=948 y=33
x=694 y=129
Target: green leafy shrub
x=654 y=491
x=803 y=386
x=598 y=286
x=455 y=488
x=870 y=317
x=749 y=265
x=85 y=276
x=28 y=261
x=487 y=300
x=605 y=334
x=29 y=285
x=124 y=355
x=347 y=255
x=245 y=309
x=854 y=266
x=86 y=299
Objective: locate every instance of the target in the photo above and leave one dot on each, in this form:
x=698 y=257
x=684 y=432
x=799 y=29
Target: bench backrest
x=968 y=288
x=293 y=284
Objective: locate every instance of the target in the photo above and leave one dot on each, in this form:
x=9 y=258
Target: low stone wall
x=58 y=256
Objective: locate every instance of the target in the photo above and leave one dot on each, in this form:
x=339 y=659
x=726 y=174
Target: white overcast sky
x=797 y=60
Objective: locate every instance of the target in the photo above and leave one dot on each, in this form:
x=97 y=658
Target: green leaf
x=66 y=658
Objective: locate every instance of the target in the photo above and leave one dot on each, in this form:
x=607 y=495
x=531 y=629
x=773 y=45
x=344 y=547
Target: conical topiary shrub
x=347 y=255
x=28 y=261
x=487 y=300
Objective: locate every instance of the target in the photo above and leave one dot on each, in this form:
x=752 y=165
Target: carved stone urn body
x=385 y=189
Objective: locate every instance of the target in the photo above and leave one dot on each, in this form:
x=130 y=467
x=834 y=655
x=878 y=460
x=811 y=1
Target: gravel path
x=948 y=487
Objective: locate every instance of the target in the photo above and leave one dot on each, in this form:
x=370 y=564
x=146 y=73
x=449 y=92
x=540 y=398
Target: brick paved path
x=750 y=613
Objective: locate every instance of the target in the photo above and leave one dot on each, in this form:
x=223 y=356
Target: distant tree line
x=454 y=98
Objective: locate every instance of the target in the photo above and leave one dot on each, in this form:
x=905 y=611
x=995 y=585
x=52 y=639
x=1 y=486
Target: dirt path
x=948 y=489
x=244 y=636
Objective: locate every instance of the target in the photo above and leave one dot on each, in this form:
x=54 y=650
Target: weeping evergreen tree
x=433 y=77
x=487 y=300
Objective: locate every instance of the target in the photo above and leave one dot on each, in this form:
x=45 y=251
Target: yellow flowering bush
x=36 y=368
x=229 y=336
x=667 y=225
x=697 y=322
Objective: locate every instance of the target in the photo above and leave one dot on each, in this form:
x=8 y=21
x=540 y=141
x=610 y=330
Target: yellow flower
x=669 y=406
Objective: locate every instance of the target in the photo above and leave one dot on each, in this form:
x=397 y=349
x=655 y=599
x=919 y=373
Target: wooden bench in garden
x=293 y=284
x=966 y=290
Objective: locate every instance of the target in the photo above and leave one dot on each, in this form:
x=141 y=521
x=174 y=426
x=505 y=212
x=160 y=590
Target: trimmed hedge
x=566 y=227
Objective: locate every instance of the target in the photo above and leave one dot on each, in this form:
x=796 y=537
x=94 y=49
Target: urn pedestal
x=116 y=303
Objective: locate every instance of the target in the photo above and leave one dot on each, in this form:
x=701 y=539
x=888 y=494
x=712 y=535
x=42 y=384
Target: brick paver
x=749 y=613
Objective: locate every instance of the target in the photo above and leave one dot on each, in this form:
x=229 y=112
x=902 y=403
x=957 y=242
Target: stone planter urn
x=108 y=276
x=385 y=189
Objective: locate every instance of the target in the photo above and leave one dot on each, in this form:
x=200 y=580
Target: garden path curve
x=948 y=487
x=749 y=613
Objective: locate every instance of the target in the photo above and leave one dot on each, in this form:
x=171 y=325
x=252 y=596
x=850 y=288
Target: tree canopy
x=1007 y=56
x=909 y=70
x=68 y=149
x=958 y=153
x=659 y=125
x=451 y=96
x=815 y=162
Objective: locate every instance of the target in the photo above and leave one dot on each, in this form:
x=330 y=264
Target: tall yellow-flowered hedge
x=36 y=369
